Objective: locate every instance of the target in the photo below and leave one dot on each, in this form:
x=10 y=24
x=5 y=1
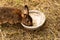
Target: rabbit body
x=9 y=15
x=14 y=15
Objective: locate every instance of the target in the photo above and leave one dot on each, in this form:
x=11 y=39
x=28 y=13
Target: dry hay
x=49 y=31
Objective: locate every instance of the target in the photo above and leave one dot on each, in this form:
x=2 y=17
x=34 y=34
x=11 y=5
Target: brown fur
x=9 y=15
x=14 y=15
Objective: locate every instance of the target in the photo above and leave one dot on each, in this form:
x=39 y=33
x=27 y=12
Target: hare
x=14 y=15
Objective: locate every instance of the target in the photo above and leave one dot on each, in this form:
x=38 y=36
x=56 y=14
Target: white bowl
x=38 y=19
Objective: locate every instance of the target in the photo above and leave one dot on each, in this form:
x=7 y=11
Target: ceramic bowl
x=38 y=19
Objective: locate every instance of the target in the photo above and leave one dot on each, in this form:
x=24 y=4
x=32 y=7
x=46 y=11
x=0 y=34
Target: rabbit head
x=26 y=19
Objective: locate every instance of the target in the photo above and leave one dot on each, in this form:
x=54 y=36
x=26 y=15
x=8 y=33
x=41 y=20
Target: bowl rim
x=31 y=27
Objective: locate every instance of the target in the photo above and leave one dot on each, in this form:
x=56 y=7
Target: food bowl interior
x=38 y=19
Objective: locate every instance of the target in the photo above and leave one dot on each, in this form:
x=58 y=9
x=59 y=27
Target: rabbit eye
x=24 y=14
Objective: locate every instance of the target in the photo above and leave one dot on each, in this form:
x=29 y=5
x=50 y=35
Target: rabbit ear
x=26 y=10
